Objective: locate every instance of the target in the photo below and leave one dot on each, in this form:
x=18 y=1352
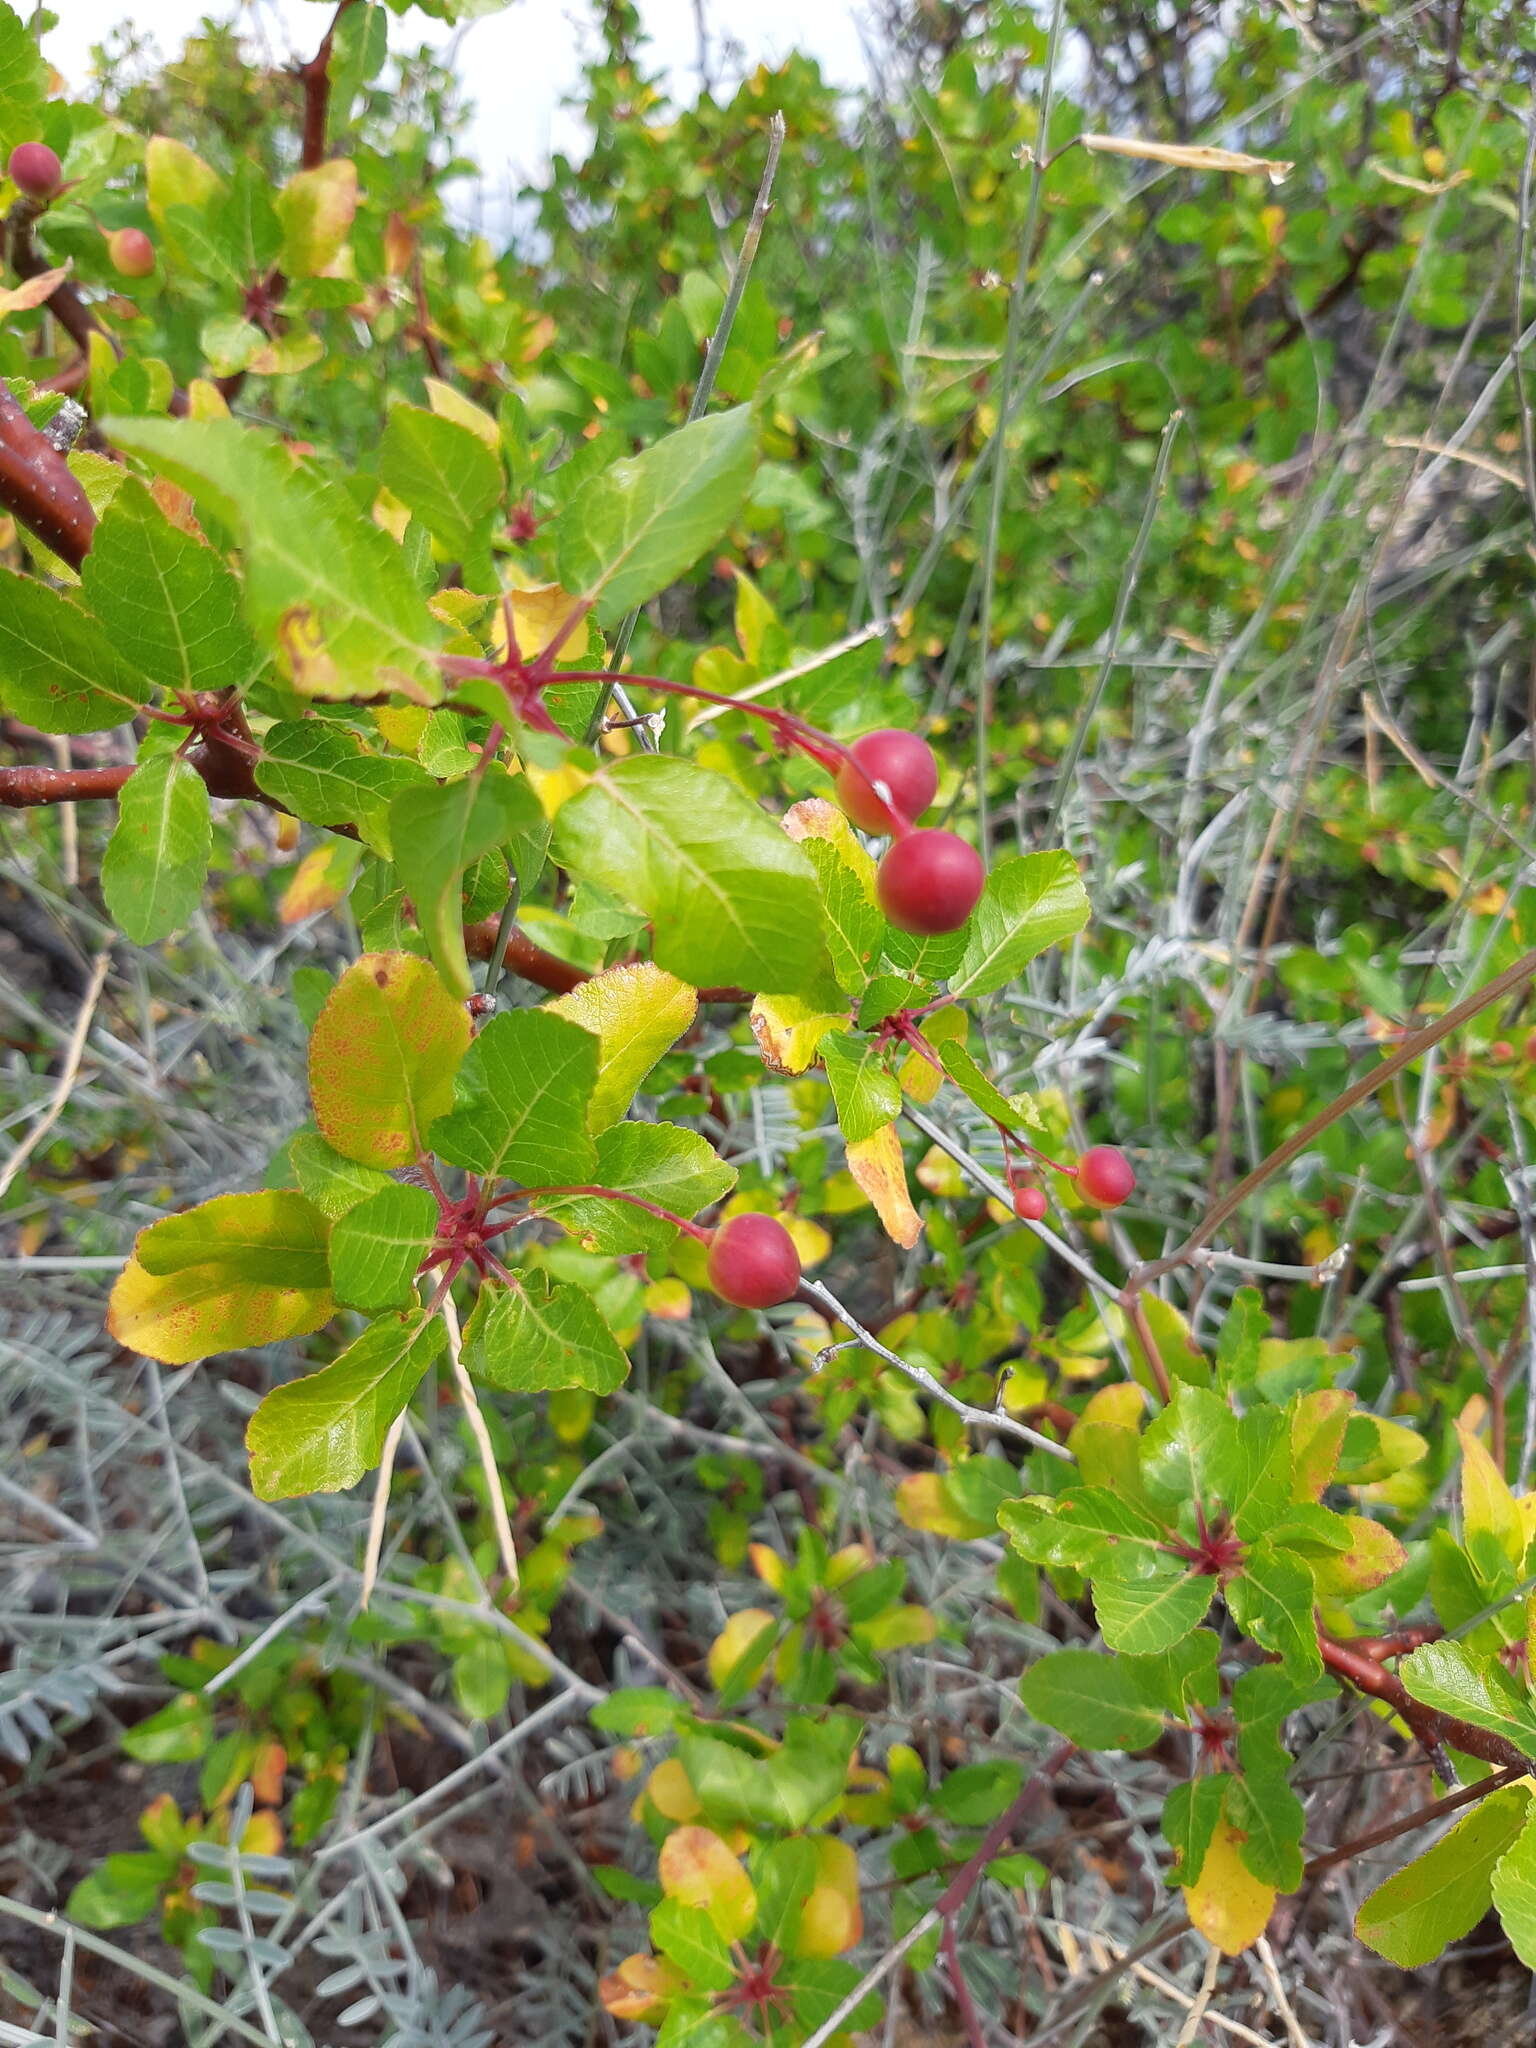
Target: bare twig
x=74 y=1054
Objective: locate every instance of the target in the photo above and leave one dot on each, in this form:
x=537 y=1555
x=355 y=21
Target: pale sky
x=516 y=66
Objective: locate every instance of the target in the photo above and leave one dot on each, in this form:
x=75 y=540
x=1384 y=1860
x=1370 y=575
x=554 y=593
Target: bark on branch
x=38 y=488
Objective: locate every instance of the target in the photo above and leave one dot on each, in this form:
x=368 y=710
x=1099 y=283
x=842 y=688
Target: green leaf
x=694 y=2023
x=1271 y=1600
x=168 y=596
x=1190 y=1816
x=482 y=1678
x=237 y=1271
x=382 y=1058
x=1474 y=1686
x=817 y=1986
x=1271 y=1816
x=968 y=1077
x=675 y=1168
x=1028 y=904
x=59 y=670
x=333 y=1183
x=1096 y=1701
x=445 y=473
x=540 y=1335
x=325 y=588
x=1094 y=1531
x=731 y=897
x=1514 y=1892
x=118 y=1897
x=1144 y=1616
x=377 y=1247
x=520 y=1102
x=638 y=1013
x=784 y=1875
x=321 y=1434
x=156 y=861
x=23 y=88
x=439 y=832
x=323 y=774
x=688 y=1937
x=642 y=522
x=866 y=1092
x=852 y=920
x=789 y=1789
x=178 y=1734
x=1443 y=1894
x=976 y=1794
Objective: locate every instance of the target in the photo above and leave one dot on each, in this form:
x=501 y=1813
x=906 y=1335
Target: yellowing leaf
x=1487 y=1505
x=922 y=1504
x=1227 y=1903
x=320 y=880
x=788 y=1031
x=810 y=1240
x=636 y=1013
x=698 y=1869
x=316 y=209
x=876 y=1164
x=831 y=1919
x=237 y=1271
x=448 y=404
x=920 y=1078
x=176 y=176
x=382 y=1058
x=814 y=818
x=670 y=1791
x=670 y=1300
x=1374 y=1554
x=640 y=1988
x=734 y=1641
x=33 y=292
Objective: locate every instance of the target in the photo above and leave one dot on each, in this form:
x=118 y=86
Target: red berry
x=906 y=766
x=1104 y=1176
x=929 y=882
x=35 y=170
x=753 y=1262
x=132 y=252
x=1029 y=1204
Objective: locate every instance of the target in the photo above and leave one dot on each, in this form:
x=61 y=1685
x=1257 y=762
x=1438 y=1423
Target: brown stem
x=315 y=77
x=64 y=301
x=1348 y=1661
x=1466 y=1796
x=38 y=487
x=22 y=788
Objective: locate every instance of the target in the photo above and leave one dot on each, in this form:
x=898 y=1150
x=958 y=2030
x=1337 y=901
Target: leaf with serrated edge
x=1028 y=904
x=878 y=1168
x=520 y=1102
x=1095 y=1700
x=1144 y=1616
x=731 y=898
x=445 y=473
x=59 y=670
x=641 y=523
x=866 y=1092
x=377 y=1247
x=156 y=861
x=638 y=1013
x=541 y=1335
x=1441 y=1895
x=382 y=1058
x=322 y=1433
x=677 y=1169
x=324 y=586
x=240 y=1270
x=1475 y=1687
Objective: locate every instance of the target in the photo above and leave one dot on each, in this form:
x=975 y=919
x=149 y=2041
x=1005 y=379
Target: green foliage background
x=1242 y=621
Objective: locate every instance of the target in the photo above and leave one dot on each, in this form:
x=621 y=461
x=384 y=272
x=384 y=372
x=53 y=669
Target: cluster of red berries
x=1104 y=1177
x=34 y=169
x=929 y=881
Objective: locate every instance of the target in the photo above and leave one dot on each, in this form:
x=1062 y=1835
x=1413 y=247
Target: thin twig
x=380 y=1509
x=496 y=1497
x=73 y=1057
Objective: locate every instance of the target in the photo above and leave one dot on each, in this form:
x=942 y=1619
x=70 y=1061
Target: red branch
x=64 y=301
x=1349 y=1661
x=22 y=788
x=38 y=487
x=315 y=77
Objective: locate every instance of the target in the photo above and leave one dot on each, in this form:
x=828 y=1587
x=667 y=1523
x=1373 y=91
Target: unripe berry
x=929 y=882
x=753 y=1262
x=1104 y=1176
x=35 y=170
x=906 y=766
x=1029 y=1204
x=131 y=251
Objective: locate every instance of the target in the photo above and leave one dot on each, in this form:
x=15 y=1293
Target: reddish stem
x=611 y=1195
x=38 y=487
x=1431 y=1729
